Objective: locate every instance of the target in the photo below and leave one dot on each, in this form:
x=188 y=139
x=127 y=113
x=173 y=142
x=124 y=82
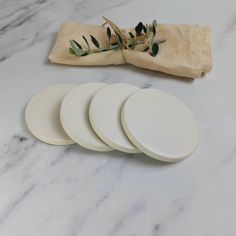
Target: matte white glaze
x=160 y=125
x=42 y=115
x=74 y=117
x=104 y=114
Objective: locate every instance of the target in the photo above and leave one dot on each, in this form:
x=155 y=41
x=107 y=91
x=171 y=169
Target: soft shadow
x=146 y=160
x=139 y=158
x=157 y=74
x=77 y=149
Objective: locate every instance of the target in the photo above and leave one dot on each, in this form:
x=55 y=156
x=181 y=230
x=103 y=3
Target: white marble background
x=69 y=191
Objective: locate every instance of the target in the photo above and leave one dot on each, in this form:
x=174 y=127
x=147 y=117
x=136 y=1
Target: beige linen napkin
x=186 y=51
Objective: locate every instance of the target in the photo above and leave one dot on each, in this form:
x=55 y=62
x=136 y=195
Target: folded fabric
x=186 y=50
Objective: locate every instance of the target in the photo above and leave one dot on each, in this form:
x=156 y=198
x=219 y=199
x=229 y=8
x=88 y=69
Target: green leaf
x=95 y=42
x=155 y=49
x=154 y=22
x=154 y=25
x=114 y=44
x=154 y=30
x=109 y=33
x=71 y=51
x=86 y=41
x=131 y=35
x=104 y=49
x=78 y=52
x=138 y=28
x=119 y=38
x=146 y=49
x=130 y=42
x=144 y=29
x=75 y=49
x=84 y=54
x=72 y=44
x=77 y=44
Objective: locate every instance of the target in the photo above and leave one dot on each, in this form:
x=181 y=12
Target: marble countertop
x=69 y=191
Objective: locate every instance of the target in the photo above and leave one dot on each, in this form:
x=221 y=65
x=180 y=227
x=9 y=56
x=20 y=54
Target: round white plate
x=104 y=115
x=74 y=117
x=160 y=125
x=42 y=115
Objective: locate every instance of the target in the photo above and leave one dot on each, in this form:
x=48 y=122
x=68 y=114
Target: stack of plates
x=122 y=117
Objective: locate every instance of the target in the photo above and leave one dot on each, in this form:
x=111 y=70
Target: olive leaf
x=109 y=34
x=155 y=49
x=131 y=35
x=144 y=29
x=86 y=41
x=71 y=51
x=119 y=38
x=95 y=42
x=146 y=49
x=115 y=44
x=122 y=40
x=154 y=30
x=84 y=54
x=73 y=45
x=138 y=28
x=77 y=44
x=154 y=25
x=104 y=49
x=154 y=22
x=131 y=43
x=75 y=49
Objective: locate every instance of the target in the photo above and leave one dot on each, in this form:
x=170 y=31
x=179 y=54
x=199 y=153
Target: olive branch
x=117 y=39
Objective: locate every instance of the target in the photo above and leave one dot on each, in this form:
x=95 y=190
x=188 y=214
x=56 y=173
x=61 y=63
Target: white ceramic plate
x=104 y=115
x=42 y=115
x=160 y=125
x=74 y=117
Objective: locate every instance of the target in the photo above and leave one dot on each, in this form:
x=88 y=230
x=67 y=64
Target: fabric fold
x=186 y=51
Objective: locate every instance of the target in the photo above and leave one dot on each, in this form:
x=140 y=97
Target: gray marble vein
x=129 y=215
x=21 y=19
x=13 y=205
x=67 y=190
x=15 y=151
x=80 y=222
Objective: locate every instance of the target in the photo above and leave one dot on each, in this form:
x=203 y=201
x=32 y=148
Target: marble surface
x=69 y=191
